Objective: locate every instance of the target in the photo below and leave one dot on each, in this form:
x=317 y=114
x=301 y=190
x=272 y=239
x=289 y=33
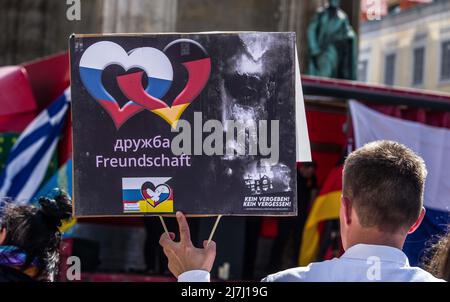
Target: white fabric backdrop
x=432 y=143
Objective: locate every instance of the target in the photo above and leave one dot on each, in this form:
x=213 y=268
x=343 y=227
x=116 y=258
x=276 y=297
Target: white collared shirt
x=360 y=263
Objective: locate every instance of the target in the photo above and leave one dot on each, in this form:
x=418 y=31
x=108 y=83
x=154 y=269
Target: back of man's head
x=385 y=182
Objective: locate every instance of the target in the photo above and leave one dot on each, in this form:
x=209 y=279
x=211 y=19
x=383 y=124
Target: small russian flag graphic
x=147 y=195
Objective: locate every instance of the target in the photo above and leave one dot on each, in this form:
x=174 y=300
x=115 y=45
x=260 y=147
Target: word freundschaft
x=231 y=138
x=143 y=161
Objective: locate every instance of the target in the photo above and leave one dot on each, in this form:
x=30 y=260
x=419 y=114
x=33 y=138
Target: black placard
x=130 y=91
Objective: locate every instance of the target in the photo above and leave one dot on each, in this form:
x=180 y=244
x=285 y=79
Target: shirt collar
x=385 y=253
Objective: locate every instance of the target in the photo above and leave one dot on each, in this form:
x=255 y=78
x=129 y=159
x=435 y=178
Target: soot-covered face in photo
x=247 y=93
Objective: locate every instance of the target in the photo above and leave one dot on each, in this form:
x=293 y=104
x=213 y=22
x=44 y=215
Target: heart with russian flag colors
x=153 y=64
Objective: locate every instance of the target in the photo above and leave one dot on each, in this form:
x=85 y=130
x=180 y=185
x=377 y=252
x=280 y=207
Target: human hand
x=183 y=256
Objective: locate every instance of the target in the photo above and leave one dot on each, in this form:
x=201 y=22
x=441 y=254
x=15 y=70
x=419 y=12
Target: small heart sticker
x=155 y=195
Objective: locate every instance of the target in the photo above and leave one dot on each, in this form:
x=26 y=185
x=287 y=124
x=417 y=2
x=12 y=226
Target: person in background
x=30 y=239
x=381 y=203
x=439 y=263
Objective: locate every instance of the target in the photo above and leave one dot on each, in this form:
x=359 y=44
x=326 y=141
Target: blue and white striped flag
x=30 y=156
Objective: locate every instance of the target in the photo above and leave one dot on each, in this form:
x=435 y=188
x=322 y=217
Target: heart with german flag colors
x=156 y=66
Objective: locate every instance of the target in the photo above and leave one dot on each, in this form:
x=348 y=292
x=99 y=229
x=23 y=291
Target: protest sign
x=204 y=123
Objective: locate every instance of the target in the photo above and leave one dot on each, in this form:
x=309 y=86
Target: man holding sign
x=382 y=202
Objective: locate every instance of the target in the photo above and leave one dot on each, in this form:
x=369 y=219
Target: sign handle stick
x=214 y=229
x=164 y=226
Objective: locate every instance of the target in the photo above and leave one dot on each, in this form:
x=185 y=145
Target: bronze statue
x=332 y=44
